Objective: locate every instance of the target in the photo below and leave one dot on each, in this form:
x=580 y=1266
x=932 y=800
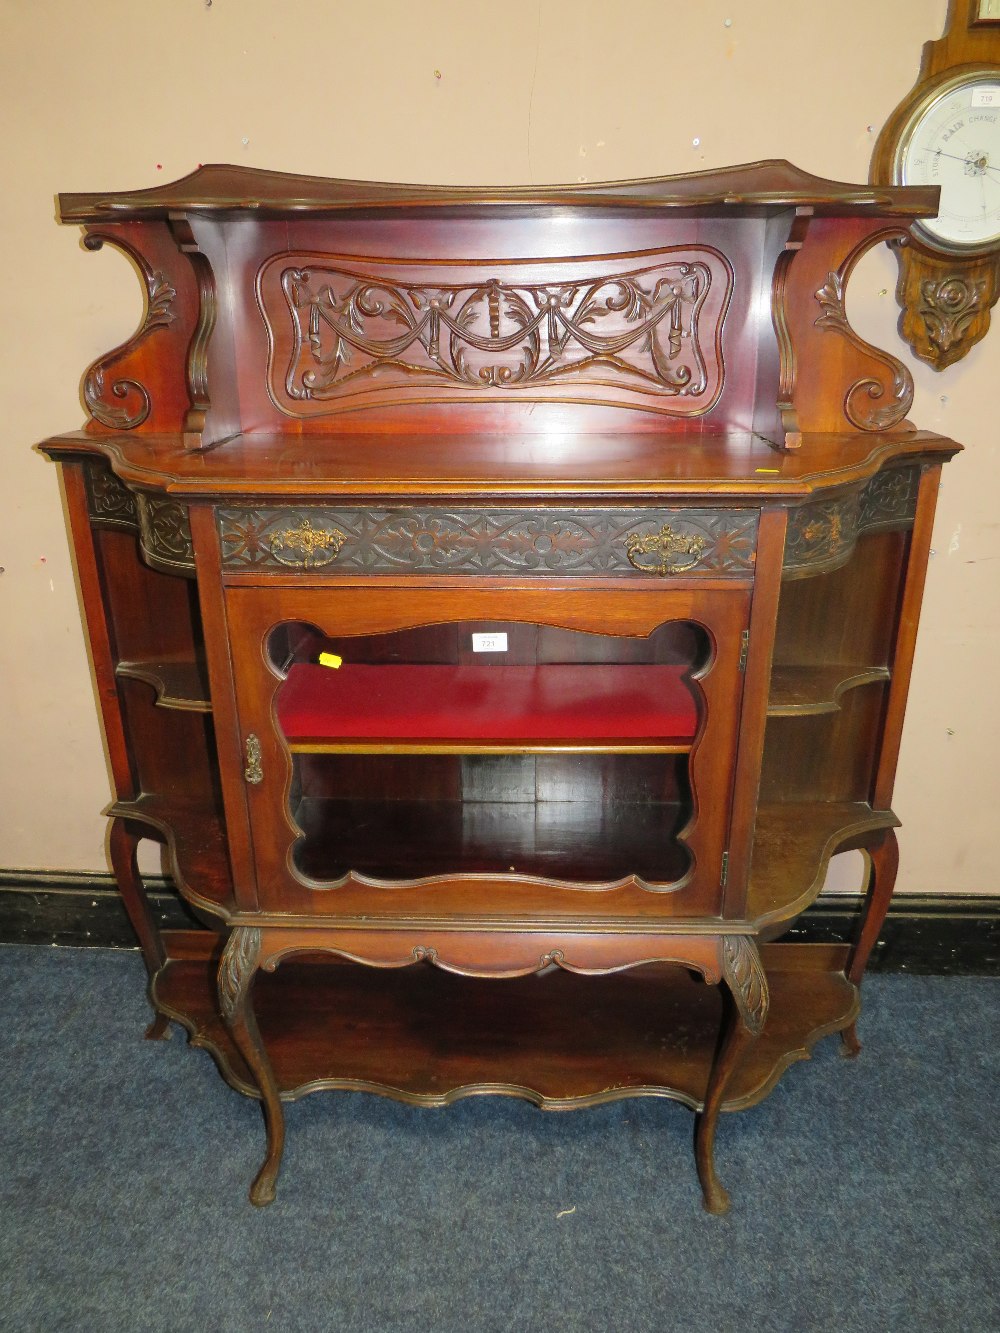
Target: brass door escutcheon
x=253 y=772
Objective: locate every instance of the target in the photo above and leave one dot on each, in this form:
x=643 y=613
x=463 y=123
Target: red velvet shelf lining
x=488 y=704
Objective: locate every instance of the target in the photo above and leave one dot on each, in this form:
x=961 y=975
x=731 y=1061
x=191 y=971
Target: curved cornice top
x=228 y=190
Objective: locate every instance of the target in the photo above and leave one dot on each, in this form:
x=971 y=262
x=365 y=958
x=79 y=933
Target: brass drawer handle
x=307 y=547
x=672 y=552
x=253 y=772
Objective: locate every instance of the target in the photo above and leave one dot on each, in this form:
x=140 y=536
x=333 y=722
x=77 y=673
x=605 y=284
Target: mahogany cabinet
x=502 y=606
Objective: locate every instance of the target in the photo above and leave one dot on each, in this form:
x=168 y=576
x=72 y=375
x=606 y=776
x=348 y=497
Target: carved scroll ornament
x=133 y=404
x=744 y=974
x=236 y=968
x=945 y=304
x=870 y=403
x=345 y=333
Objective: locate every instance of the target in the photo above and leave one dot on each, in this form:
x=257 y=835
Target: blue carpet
x=865 y=1193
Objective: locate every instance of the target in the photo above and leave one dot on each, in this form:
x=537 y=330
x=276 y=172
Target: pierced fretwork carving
x=110 y=504
x=165 y=534
x=163 y=524
x=652 y=331
x=822 y=535
x=870 y=403
x=889 y=499
x=528 y=542
x=133 y=403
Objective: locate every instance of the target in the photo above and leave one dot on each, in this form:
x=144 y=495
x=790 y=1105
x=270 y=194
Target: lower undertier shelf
x=555 y=1038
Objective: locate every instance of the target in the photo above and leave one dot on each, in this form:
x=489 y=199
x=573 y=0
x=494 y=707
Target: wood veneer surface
x=221 y=189
x=558 y=459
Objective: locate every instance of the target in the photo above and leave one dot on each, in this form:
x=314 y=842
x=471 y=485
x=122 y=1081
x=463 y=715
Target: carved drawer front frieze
x=161 y=523
x=641 y=543
x=638 y=329
x=822 y=535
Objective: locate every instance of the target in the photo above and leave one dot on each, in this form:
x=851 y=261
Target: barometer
x=946 y=132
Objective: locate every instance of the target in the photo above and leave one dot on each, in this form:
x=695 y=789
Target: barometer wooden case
x=502 y=605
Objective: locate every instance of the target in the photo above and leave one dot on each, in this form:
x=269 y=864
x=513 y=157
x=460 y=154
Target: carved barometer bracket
x=946 y=132
x=945 y=302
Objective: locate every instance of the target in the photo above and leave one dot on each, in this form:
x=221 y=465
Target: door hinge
x=744 y=649
x=725 y=869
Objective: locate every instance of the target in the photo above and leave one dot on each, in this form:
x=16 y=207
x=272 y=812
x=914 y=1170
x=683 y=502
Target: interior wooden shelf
x=178 y=683
x=809 y=690
x=793 y=843
x=358 y=746
x=561 y=1041
x=497 y=709
x=590 y=841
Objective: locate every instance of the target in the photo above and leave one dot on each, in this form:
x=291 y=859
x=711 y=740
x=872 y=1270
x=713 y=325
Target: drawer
x=584 y=543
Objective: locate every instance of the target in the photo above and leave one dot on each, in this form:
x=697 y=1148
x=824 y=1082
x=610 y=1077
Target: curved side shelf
x=382 y=1045
x=804 y=691
x=196 y=842
x=792 y=848
x=178 y=684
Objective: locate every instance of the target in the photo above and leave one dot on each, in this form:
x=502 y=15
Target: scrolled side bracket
x=831 y=380
x=875 y=401
x=125 y=403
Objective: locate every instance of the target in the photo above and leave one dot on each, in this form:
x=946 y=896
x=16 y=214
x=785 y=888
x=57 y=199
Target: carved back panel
x=642 y=329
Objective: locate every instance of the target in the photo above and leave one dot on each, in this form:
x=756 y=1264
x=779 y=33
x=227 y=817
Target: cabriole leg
x=884 y=863
x=237 y=969
x=123 y=847
x=745 y=1002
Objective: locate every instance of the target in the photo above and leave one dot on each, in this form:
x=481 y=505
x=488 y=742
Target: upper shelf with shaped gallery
x=651 y=305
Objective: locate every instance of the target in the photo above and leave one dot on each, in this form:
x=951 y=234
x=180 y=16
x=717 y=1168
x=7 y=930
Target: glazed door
x=502 y=753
